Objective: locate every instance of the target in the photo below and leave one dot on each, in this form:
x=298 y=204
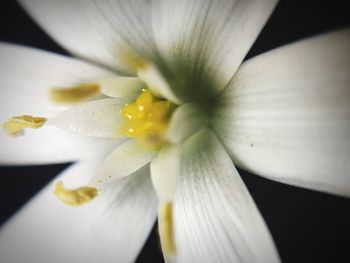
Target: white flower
x=284 y=115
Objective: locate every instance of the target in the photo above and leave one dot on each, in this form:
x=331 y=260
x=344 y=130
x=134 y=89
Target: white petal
x=27 y=74
x=123 y=161
x=51 y=145
x=99 y=118
x=120 y=87
x=164 y=173
x=216 y=219
x=286 y=114
x=213 y=36
x=156 y=82
x=96 y=31
x=186 y=120
x=112 y=227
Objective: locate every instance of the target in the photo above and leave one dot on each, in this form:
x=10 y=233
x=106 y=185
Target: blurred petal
x=286 y=114
x=212 y=36
x=99 y=118
x=126 y=159
x=97 y=31
x=27 y=74
x=164 y=173
x=119 y=87
x=156 y=82
x=51 y=145
x=186 y=120
x=216 y=219
x=112 y=227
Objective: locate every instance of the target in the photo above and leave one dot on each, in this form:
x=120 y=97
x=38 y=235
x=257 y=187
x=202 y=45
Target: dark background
x=307 y=226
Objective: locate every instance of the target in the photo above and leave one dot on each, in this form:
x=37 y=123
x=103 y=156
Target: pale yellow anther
x=74 y=94
x=75 y=197
x=17 y=124
x=166 y=229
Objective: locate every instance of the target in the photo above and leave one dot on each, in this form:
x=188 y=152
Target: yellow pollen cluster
x=147 y=119
x=75 y=197
x=17 y=124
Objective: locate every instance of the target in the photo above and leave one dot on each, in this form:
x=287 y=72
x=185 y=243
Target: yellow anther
x=17 y=124
x=147 y=119
x=166 y=229
x=75 y=197
x=74 y=94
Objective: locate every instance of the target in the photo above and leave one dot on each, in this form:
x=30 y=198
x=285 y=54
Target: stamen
x=74 y=94
x=165 y=225
x=75 y=197
x=17 y=124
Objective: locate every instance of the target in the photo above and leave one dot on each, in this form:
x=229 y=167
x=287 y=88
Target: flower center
x=147 y=119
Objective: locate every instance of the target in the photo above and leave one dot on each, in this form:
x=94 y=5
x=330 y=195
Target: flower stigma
x=15 y=126
x=147 y=119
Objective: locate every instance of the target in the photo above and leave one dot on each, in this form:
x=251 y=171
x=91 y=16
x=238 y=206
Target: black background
x=307 y=226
